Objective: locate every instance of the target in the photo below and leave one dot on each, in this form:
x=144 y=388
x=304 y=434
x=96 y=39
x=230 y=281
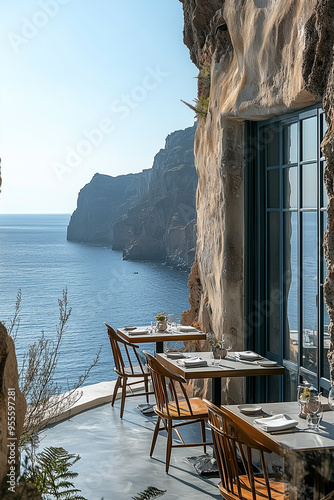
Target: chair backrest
x=168 y=388
x=230 y=439
x=125 y=359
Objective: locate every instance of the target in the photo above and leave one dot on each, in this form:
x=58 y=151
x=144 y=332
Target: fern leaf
x=149 y=493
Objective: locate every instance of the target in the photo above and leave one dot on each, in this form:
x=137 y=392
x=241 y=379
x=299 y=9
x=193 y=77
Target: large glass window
x=292 y=268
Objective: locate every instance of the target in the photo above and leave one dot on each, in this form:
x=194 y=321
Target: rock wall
x=161 y=225
x=9 y=395
x=318 y=74
x=150 y=215
x=256 y=66
x=101 y=202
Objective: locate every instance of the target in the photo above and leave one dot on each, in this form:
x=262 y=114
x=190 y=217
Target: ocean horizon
x=36 y=258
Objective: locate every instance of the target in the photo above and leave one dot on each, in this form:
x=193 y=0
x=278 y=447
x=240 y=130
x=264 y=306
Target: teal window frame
x=256 y=240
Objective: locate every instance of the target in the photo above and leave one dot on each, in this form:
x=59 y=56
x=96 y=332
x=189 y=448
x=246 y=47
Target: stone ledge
x=92 y=395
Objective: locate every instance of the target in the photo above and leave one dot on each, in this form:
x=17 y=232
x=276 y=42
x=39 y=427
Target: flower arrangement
x=161 y=320
x=215 y=344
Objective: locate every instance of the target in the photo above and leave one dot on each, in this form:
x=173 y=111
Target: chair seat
x=137 y=371
x=276 y=490
x=198 y=407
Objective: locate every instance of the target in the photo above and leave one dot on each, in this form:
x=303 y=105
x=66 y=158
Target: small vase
x=219 y=353
x=162 y=326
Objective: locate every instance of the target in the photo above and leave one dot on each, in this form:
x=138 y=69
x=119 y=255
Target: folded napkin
x=137 y=331
x=192 y=362
x=275 y=423
x=177 y=355
x=248 y=356
x=186 y=329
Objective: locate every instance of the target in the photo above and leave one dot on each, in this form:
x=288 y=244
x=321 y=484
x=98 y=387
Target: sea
x=36 y=258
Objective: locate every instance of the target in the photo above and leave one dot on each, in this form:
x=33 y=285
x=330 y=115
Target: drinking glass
x=331 y=398
x=153 y=326
x=227 y=344
x=171 y=320
x=177 y=323
x=314 y=420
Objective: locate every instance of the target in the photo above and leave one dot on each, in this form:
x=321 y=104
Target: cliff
x=258 y=59
x=100 y=203
x=150 y=215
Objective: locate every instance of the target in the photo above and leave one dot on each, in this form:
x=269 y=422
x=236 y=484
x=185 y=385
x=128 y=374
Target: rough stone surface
x=256 y=73
x=161 y=226
x=100 y=203
x=318 y=73
x=9 y=382
x=150 y=215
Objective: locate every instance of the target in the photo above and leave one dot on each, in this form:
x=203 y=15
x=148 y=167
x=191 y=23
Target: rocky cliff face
x=161 y=225
x=13 y=404
x=254 y=52
x=150 y=215
x=265 y=58
x=101 y=203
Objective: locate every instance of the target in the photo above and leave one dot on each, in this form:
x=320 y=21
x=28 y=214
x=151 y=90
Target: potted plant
x=217 y=348
x=161 y=320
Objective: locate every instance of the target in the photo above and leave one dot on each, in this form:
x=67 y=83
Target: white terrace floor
x=115 y=462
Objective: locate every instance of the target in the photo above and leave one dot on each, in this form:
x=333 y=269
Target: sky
x=87 y=86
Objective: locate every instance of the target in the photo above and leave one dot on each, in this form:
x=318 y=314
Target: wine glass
x=227 y=344
x=331 y=398
x=171 y=320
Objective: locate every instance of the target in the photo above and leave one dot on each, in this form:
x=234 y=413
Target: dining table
x=158 y=337
x=230 y=366
x=308 y=454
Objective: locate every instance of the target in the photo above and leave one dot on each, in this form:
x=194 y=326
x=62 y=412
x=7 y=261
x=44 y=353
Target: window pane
x=309 y=277
x=273 y=272
x=290 y=177
x=273 y=389
x=273 y=188
x=271 y=141
x=323 y=126
x=290 y=286
x=326 y=319
x=324 y=190
x=290 y=385
x=309 y=151
x=309 y=185
x=290 y=143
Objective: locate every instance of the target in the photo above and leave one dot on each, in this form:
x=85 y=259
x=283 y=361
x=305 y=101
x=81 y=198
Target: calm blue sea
x=36 y=258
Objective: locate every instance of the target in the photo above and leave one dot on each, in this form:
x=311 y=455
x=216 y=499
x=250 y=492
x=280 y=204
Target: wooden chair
x=229 y=438
x=125 y=368
x=173 y=403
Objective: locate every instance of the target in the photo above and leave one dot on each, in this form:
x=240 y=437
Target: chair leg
x=123 y=396
x=203 y=434
x=169 y=444
x=155 y=435
x=146 y=390
x=118 y=382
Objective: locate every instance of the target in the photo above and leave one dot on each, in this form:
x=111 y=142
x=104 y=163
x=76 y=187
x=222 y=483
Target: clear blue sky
x=86 y=86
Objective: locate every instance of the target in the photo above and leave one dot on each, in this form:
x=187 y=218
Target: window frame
x=255 y=248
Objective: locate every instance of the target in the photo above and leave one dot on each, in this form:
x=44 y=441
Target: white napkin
x=186 y=329
x=192 y=362
x=275 y=423
x=137 y=331
x=248 y=356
